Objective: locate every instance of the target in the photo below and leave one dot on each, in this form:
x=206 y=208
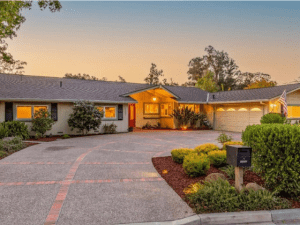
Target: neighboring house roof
x=258 y=94
x=37 y=88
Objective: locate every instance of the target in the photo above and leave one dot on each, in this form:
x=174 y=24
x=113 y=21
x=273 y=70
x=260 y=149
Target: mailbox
x=238 y=155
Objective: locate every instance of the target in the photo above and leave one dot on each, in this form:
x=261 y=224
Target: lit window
x=293 y=111
x=24 y=112
x=37 y=108
x=110 y=112
x=165 y=109
x=255 y=110
x=151 y=108
x=231 y=109
x=220 y=110
x=242 y=109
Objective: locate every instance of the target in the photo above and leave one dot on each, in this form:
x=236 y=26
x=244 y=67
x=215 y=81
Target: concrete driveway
x=104 y=179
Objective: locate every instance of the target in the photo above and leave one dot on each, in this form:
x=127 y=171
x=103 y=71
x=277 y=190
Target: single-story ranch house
x=133 y=104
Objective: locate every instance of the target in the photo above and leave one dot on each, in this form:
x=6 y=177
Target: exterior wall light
x=154 y=99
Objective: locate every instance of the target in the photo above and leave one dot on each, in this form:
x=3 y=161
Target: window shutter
x=8 y=111
x=120 y=112
x=54 y=111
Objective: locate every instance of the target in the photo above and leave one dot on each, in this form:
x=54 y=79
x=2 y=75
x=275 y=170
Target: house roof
x=258 y=94
x=38 y=88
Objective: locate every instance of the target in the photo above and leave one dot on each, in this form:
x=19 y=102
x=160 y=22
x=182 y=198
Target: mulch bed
x=178 y=179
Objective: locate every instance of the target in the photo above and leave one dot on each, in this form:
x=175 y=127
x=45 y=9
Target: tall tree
x=171 y=83
x=246 y=79
x=11 y=20
x=207 y=83
x=81 y=77
x=261 y=84
x=153 y=76
x=121 y=79
x=224 y=68
x=15 y=67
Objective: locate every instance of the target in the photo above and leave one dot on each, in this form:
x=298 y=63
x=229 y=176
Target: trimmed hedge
x=179 y=154
x=272 y=118
x=195 y=165
x=205 y=148
x=16 y=128
x=218 y=158
x=276 y=155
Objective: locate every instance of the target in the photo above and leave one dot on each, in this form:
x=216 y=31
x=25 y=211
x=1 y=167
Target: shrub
x=179 y=154
x=38 y=135
x=3 y=131
x=232 y=143
x=230 y=171
x=205 y=148
x=41 y=122
x=65 y=136
x=183 y=116
x=110 y=129
x=220 y=196
x=272 y=118
x=195 y=165
x=85 y=117
x=222 y=138
x=11 y=146
x=16 y=128
x=3 y=154
x=217 y=158
x=276 y=155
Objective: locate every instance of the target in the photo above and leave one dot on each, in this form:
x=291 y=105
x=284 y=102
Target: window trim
x=104 y=108
x=165 y=103
x=16 y=105
x=144 y=108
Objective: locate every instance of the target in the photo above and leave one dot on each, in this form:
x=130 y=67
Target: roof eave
x=63 y=100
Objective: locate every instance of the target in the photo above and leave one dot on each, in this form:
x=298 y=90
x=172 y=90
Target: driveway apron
x=103 y=179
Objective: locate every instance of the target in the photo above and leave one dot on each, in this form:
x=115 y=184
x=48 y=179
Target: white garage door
x=237 y=118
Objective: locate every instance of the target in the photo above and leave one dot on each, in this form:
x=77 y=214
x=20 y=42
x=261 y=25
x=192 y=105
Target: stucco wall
x=2 y=111
x=64 y=110
x=142 y=119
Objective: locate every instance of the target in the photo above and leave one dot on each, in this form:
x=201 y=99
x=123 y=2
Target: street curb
x=267 y=217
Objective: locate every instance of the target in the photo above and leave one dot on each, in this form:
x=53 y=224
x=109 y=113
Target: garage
x=237 y=118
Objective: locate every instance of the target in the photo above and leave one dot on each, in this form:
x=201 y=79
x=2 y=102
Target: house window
x=37 y=108
x=231 y=109
x=24 y=112
x=293 y=111
x=109 y=112
x=220 y=110
x=165 y=109
x=255 y=110
x=197 y=108
x=151 y=108
x=242 y=109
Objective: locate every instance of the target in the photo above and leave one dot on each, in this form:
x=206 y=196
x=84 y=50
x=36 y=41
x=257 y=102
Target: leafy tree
x=246 y=79
x=172 y=83
x=41 y=122
x=81 y=77
x=224 y=68
x=153 y=77
x=121 y=79
x=261 y=84
x=189 y=84
x=207 y=83
x=85 y=117
x=15 y=67
x=11 y=20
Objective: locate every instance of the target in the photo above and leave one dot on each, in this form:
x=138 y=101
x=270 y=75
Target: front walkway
x=105 y=179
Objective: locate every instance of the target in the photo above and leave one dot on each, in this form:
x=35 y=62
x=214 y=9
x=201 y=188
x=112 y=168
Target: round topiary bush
x=195 y=165
x=205 y=148
x=272 y=118
x=179 y=154
x=218 y=158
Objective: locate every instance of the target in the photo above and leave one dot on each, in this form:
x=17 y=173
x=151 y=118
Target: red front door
x=131 y=115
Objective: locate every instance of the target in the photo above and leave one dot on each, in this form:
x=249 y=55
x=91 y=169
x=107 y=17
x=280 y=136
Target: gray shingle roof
x=34 y=88
x=258 y=94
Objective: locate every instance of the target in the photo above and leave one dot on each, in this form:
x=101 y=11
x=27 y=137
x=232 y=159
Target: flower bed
x=179 y=180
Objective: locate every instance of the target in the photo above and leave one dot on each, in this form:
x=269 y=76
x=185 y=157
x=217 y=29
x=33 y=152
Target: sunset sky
x=107 y=39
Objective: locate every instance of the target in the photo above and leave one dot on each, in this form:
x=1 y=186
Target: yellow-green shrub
x=179 y=154
x=205 y=148
x=195 y=165
x=232 y=143
x=217 y=158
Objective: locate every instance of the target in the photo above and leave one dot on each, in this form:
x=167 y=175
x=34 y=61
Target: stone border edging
x=251 y=217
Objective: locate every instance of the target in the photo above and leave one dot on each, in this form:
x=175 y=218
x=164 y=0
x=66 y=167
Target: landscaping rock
x=254 y=186
x=215 y=176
